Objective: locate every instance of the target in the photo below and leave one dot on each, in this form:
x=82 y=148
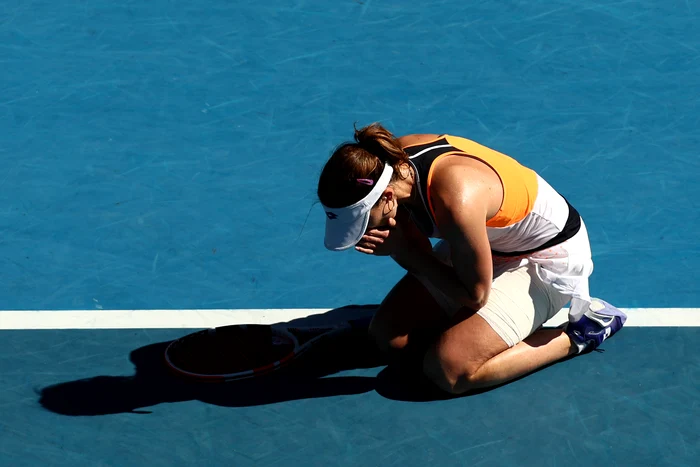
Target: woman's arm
x=461 y=211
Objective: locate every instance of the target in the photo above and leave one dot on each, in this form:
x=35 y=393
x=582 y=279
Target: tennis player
x=511 y=253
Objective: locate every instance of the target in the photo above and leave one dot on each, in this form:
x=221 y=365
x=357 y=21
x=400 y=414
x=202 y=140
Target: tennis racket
x=242 y=351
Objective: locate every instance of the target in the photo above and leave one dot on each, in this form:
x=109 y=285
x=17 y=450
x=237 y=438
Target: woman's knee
x=448 y=371
x=454 y=362
x=386 y=340
x=407 y=311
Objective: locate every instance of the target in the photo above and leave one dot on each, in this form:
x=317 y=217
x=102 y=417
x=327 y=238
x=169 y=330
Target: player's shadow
x=313 y=377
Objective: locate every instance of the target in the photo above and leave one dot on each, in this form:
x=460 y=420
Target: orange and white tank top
x=532 y=217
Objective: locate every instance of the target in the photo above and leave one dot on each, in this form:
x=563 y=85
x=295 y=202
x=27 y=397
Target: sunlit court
x=160 y=177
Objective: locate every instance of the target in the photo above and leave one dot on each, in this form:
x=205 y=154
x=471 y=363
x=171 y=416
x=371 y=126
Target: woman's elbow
x=479 y=296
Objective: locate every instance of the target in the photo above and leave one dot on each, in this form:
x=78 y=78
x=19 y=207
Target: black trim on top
x=571 y=228
x=421 y=164
x=425 y=221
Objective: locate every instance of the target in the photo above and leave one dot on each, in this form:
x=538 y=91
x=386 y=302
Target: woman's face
x=384 y=211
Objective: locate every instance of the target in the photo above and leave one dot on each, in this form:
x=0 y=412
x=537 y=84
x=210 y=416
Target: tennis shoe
x=598 y=323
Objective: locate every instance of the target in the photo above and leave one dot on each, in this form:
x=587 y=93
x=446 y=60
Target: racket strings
x=230 y=350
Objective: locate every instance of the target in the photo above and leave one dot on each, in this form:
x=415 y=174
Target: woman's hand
x=381 y=241
x=398 y=238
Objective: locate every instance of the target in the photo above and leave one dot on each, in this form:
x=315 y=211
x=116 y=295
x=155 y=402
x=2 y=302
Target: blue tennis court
x=160 y=163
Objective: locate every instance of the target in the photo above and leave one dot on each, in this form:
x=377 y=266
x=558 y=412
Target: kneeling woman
x=512 y=253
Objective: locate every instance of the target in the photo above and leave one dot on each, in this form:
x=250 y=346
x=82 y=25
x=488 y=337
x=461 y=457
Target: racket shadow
x=152 y=383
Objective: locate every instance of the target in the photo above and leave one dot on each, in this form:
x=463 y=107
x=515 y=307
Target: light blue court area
x=164 y=156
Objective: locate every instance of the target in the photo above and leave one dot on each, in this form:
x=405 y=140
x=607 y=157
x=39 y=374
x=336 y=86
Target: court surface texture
x=160 y=161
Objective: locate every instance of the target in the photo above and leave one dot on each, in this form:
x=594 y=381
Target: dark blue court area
x=164 y=156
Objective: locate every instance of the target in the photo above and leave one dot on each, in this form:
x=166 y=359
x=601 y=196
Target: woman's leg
x=407 y=322
x=503 y=340
x=472 y=356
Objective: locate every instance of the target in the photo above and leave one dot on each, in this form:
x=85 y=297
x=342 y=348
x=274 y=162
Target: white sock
x=578 y=308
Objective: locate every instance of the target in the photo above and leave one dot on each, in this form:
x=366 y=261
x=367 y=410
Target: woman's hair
x=374 y=145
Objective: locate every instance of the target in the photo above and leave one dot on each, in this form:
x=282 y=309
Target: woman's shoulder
x=416 y=139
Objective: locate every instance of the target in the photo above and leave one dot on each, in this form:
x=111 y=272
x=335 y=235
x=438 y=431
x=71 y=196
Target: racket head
x=231 y=353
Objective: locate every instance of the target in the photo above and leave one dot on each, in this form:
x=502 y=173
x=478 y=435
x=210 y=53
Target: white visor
x=346 y=226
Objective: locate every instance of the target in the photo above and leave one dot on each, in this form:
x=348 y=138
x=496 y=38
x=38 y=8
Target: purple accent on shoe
x=596 y=325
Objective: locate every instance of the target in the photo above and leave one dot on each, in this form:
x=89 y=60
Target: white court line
x=195 y=319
